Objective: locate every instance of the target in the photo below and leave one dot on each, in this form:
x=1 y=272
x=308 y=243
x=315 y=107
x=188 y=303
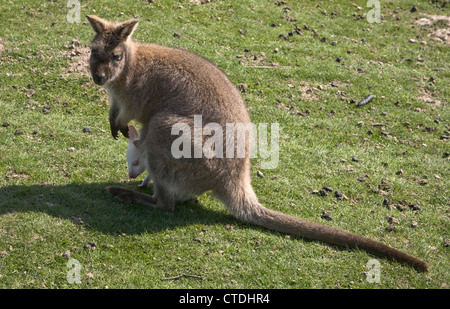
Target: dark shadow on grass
x=91 y=206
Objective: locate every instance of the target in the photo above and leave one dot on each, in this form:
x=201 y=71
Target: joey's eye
x=135 y=163
x=117 y=57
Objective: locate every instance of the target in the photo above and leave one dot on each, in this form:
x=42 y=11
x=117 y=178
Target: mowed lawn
x=304 y=65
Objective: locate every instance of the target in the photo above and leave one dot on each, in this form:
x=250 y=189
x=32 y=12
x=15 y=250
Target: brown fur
x=160 y=86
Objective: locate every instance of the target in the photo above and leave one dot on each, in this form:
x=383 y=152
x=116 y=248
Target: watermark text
x=74 y=14
x=374 y=15
x=234 y=140
x=374 y=273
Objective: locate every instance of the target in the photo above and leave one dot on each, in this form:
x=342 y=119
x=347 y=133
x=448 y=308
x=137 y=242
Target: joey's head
x=134 y=154
x=110 y=48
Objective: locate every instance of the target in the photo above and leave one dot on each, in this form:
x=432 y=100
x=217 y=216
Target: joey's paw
x=144 y=183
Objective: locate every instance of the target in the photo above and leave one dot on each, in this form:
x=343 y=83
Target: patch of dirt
x=441 y=35
x=292 y=109
x=14 y=175
x=428 y=97
x=379 y=62
x=429 y=19
x=200 y=1
x=308 y=92
x=2 y=47
x=79 y=58
x=258 y=60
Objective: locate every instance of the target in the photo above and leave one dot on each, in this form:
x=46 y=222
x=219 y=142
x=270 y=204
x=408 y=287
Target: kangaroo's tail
x=246 y=208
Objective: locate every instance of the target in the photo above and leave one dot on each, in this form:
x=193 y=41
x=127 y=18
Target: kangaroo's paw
x=124 y=131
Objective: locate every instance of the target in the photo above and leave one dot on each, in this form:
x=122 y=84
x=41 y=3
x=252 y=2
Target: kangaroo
x=136 y=160
x=161 y=87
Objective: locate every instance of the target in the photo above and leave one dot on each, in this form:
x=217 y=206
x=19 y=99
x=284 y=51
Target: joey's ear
x=132 y=132
x=97 y=23
x=125 y=29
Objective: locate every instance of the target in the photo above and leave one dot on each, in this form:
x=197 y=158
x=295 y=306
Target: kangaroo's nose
x=99 y=78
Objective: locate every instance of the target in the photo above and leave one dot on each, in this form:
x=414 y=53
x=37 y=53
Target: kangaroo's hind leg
x=131 y=196
x=161 y=199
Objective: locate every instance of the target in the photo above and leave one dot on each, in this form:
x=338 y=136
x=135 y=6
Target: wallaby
x=161 y=87
x=135 y=157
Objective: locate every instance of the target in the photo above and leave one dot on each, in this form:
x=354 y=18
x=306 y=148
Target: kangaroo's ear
x=124 y=30
x=97 y=23
x=136 y=143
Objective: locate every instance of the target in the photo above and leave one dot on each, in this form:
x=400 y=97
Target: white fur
x=135 y=158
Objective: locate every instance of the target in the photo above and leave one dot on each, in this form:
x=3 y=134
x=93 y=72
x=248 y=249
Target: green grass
x=52 y=197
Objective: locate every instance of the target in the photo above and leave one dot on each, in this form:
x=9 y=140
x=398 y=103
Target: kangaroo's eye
x=135 y=163
x=117 y=57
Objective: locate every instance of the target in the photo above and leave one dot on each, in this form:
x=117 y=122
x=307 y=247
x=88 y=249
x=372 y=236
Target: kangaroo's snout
x=99 y=78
